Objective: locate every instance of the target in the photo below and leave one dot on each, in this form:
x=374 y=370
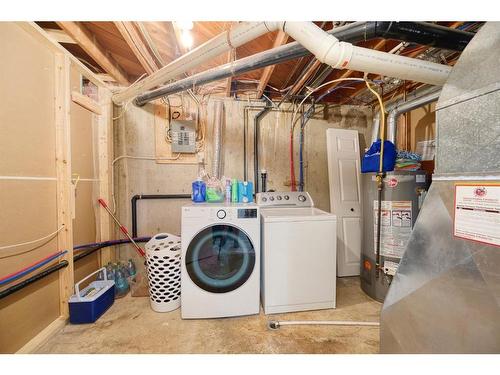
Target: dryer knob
x=221 y=214
x=302 y=198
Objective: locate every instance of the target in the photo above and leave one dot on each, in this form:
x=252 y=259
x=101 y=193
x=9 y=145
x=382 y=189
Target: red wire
x=31 y=265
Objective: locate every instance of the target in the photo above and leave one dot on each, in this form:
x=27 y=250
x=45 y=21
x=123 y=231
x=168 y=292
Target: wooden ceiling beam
x=178 y=39
x=280 y=40
x=297 y=87
x=60 y=36
x=85 y=40
x=133 y=39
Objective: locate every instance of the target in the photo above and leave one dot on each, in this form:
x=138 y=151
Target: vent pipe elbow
x=408 y=106
x=274 y=25
x=329 y=50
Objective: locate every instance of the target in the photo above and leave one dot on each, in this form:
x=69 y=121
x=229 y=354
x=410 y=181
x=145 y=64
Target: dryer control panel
x=284 y=199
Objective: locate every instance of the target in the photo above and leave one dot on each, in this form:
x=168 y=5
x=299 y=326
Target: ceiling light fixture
x=186 y=38
x=184 y=25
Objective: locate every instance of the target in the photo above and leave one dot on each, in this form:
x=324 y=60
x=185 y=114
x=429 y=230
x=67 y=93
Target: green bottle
x=234 y=191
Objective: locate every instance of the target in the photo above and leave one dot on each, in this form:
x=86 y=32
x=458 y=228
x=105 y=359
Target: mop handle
x=123 y=229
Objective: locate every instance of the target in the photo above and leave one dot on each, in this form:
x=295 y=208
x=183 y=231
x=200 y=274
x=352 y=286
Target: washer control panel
x=284 y=199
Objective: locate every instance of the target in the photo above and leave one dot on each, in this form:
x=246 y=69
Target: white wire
x=319 y=87
x=34 y=241
x=131 y=157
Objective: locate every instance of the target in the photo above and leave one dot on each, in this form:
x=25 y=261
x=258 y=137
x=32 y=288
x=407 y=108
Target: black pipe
x=245 y=127
x=380 y=186
x=23 y=284
x=246 y=110
x=424 y=33
x=64 y=263
x=135 y=198
x=415 y=32
x=263 y=177
x=256 y=136
x=93 y=249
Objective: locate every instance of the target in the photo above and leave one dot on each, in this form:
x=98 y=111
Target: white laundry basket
x=163 y=265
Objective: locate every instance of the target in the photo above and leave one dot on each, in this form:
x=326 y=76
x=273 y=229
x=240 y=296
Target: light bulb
x=184 y=25
x=187 y=38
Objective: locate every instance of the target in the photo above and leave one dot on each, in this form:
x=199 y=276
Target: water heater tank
x=402 y=197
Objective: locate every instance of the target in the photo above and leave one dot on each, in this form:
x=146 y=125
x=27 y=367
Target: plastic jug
x=245 y=192
x=199 y=191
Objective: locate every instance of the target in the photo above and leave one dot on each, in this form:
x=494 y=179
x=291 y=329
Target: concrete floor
x=130 y=326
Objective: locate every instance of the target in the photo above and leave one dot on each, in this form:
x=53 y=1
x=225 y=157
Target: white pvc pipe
x=325 y=47
x=238 y=35
x=278 y=323
x=331 y=51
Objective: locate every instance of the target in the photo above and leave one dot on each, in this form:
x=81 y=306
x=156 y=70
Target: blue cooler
x=88 y=304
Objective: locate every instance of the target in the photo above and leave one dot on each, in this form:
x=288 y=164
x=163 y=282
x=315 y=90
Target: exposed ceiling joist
x=60 y=36
x=85 y=40
x=280 y=40
x=178 y=38
x=297 y=87
x=132 y=37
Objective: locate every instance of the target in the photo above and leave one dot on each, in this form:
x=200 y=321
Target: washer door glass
x=220 y=258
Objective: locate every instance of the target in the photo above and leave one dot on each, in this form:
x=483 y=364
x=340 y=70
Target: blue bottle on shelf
x=245 y=191
x=199 y=191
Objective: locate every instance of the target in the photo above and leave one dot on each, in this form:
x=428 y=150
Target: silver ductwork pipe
x=404 y=107
x=396 y=109
x=217 y=138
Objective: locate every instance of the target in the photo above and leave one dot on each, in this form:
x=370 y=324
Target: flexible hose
x=31 y=268
x=16 y=287
x=275 y=324
x=380 y=184
x=40 y=263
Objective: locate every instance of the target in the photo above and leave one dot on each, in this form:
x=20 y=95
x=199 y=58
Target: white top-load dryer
x=220 y=269
x=298 y=253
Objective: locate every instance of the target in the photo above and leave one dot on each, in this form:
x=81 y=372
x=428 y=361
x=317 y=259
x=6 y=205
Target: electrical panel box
x=183 y=136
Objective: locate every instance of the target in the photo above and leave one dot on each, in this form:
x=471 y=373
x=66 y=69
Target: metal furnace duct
x=445 y=297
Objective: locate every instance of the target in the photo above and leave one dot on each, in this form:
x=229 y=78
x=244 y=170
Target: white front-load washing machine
x=220 y=272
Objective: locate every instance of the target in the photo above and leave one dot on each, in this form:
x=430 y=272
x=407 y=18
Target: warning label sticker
x=477 y=213
x=395 y=229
